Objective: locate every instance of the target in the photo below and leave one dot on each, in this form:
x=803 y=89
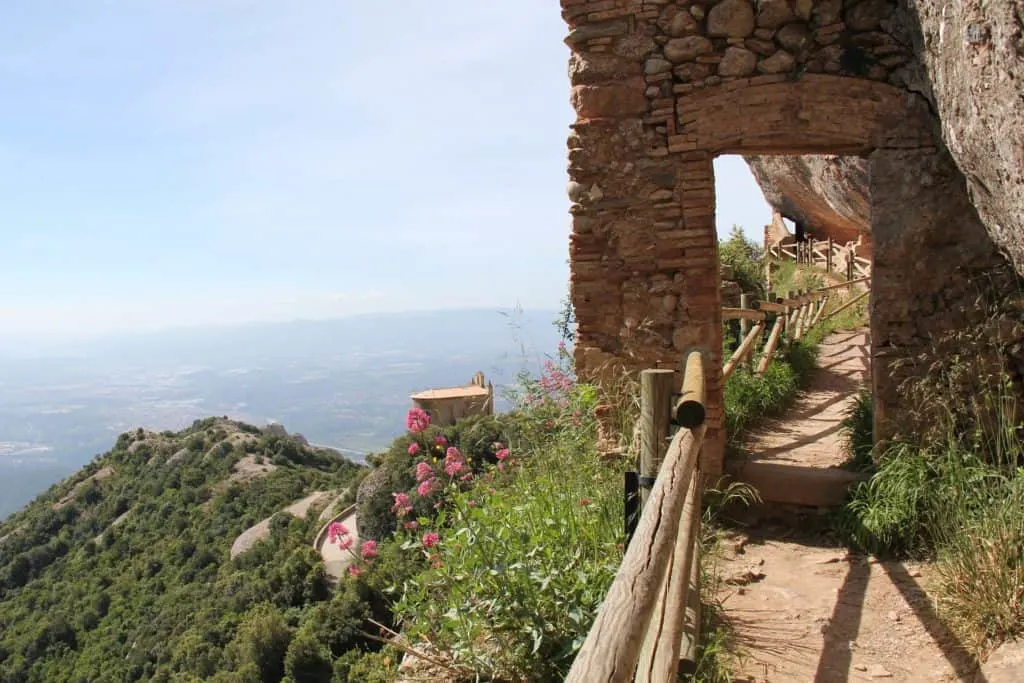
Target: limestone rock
x=867 y=14
x=795 y=37
x=677 y=22
x=827 y=12
x=978 y=91
x=731 y=19
x=656 y=65
x=623 y=99
x=761 y=47
x=1005 y=664
x=773 y=13
x=737 y=61
x=828 y=193
x=589 y=68
x=778 y=63
x=679 y=50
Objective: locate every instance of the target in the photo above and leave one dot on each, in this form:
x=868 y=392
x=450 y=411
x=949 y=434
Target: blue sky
x=182 y=162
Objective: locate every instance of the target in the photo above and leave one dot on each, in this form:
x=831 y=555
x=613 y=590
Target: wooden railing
x=789 y=318
x=648 y=626
x=650 y=618
x=833 y=258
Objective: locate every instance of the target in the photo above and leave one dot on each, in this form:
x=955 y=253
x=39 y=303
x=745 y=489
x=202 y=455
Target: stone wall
x=932 y=258
x=660 y=88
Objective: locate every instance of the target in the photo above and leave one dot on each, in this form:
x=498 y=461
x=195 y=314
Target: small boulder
x=731 y=19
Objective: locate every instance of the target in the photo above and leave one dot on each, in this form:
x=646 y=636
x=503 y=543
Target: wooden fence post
x=744 y=325
x=828 y=257
x=655 y=415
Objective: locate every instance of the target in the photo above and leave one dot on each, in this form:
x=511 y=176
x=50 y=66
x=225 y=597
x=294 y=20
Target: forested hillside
x=123 y=571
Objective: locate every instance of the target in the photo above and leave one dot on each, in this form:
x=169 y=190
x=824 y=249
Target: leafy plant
x=746 y=260
x=857 y=428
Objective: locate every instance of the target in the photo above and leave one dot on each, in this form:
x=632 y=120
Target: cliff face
x=971 y=70
x=828 y=193
x=973 y=52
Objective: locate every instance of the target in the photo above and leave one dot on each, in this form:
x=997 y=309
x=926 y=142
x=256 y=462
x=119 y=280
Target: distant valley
x=343 y=383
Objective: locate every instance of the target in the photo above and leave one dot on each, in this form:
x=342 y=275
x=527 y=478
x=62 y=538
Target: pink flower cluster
x=453 y=462
x=339 y=533
x=403 y=505
x=417 y=420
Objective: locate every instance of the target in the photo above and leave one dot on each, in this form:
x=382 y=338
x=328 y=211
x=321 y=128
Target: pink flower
x=435 y=561
x=502 y=454
x=501 y=467
x=417 y=420
x=453 y=462
x=430 y=539
x=345 y=542
x=402 y=504
x=413 y=525
x=423 y=471
x=472 y=503
x=414 y=448
x=354 y=570
x=369 y=549
x=466 y=477
x=425 y=487
x=335 y=531
x=440 y=440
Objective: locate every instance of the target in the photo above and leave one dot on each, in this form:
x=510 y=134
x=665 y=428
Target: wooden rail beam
x=743 y=350
x=771 y=307
x=659 y=657
x=655 y=417
x=849 y=303
x=612 y=648
x=742 y=314
x=769 y=349
x=689 y=411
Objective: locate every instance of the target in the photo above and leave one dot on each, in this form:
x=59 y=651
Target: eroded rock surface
x=828 y=193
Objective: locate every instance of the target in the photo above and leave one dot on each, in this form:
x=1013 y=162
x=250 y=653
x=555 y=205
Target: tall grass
x=857 y=429
x=959 y=501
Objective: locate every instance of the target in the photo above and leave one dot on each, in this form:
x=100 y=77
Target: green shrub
x=746 y=260
x=858 y=432
x=960 y=501
x=525 y=555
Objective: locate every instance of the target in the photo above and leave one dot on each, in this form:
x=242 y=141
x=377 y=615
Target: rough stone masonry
x=660 y=88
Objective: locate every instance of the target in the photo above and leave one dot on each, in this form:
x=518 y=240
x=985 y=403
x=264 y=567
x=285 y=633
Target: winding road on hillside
x=804 y=609
x=336 y=560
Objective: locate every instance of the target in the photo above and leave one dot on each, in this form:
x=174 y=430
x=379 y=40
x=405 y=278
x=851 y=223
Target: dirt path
x=806 y=612
x=808 y=434
x=336 y=560
x=261 y=530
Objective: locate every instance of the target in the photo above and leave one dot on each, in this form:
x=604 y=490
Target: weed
x=857 y=429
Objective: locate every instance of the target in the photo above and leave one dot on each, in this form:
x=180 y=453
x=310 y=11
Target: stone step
x=792 y=484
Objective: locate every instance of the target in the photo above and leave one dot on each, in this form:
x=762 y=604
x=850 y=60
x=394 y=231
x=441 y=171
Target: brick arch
x=662 y=88
x=818 y=114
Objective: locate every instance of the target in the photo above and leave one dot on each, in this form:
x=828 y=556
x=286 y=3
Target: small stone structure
x=446 y=406
x=661 y=87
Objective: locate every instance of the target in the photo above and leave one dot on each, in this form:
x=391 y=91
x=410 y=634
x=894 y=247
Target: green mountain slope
x=123 y=572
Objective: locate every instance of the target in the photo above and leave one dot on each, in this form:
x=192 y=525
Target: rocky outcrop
x=970 y=67
x=828 y=193
x=973 y=53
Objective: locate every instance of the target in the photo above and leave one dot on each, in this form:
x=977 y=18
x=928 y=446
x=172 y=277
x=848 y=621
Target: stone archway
x=660 y=88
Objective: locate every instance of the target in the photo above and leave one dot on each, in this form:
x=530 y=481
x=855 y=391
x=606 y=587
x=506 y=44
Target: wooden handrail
x=612 y=648
x=649 y=568
x=745 y=313
x=649 y=619
x=745 y=347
